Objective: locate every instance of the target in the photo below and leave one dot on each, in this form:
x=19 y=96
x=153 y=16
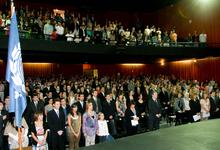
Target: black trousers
x=153 y=122
x=57 y=142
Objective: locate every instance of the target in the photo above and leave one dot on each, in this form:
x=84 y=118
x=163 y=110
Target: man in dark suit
x=56 y=124
x=154 y=111
x=109 y=111
x=66 y=108
x=81 y=104
x=101 y=95
x=131 y=115
x=34 y=106
x=214 y=110
x=97 y=107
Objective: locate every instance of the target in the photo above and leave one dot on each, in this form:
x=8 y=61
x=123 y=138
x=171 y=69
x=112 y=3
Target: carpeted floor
x=196 y=136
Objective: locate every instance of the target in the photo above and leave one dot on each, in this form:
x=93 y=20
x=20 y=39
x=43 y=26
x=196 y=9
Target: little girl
x=103 y=132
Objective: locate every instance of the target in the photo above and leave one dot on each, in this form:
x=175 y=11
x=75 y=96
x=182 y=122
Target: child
x=103 y=132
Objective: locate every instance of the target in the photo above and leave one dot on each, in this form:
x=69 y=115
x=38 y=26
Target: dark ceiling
x=138 y=5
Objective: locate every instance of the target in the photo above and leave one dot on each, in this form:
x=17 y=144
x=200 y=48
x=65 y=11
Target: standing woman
x=205 y=107
x=90 y=124
x=141 y=107
x=74 y=123
x=195 y=107
x=39 y=133
x=121 y=107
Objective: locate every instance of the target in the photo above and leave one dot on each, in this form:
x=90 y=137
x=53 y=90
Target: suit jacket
x=109 y=109
x=31 y=109
x=66 y=111
x=96 y=104
x=128 y=117
x=213 y=104
x=56 y=123
x=163 y=97
x=102 y=98
x=154 y=107
x=80 y=108
x=194 y=106
x=81 y=33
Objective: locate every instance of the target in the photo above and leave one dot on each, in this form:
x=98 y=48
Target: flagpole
x=19 y=138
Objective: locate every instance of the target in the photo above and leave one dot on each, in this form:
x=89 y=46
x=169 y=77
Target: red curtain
x=201 y=69
x=128 y=69
x=38 y=69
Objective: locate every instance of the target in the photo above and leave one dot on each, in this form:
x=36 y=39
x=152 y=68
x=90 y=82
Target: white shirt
x=102 y=128
x=186 y=103
x=60 y=30
x=147 y=32
x=203 y=38
x=57 y=112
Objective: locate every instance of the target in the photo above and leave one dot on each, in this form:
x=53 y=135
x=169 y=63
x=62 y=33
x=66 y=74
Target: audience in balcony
x=41 y=23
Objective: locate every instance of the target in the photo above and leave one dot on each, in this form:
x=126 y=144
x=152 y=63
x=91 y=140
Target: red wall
x=201 y=69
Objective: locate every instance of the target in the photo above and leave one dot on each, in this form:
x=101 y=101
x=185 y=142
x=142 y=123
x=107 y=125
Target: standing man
x=154 y=110
x=34 y=106
x=56 y=124
x=81 y=104
x=97 y=107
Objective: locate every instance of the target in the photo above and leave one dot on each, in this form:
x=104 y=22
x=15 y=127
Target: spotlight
x=162 y=62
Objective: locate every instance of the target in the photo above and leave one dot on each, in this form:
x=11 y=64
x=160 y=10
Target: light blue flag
x=14 y=73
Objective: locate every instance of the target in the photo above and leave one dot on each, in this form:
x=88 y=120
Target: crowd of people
x=82 y=111
x=73 y=27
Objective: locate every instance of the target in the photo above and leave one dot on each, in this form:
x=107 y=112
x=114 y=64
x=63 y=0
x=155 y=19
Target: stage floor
x=196 y=136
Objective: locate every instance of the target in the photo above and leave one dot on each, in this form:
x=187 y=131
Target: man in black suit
x=214 y=110
x=109 y=111
x=164 y=100
x=101 y=95
x=81 y=104
x=34 y=106
x=131 y=115
x=97 y=107
x=154 y=111
x=56 y=124
x=66 y=108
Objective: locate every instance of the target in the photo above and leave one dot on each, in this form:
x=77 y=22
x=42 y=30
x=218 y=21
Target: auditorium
x=109 y=74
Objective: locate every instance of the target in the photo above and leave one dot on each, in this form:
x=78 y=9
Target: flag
x=14 y=73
